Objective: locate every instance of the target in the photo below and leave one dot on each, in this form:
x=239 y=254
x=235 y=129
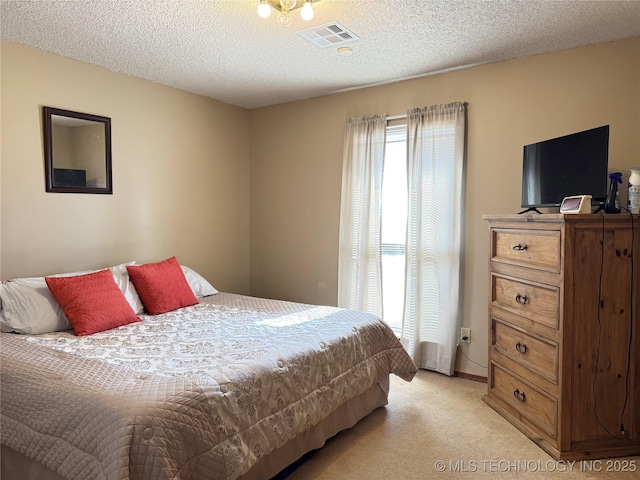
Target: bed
x=229 y=387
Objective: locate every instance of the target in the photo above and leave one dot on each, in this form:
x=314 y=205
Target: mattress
x=209 y=391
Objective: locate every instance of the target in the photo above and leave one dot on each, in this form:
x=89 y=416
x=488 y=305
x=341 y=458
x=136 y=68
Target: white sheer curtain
x=359 y=259
x=435 y=168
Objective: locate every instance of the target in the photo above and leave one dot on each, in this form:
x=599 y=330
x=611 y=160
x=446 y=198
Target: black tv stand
x=530 y=209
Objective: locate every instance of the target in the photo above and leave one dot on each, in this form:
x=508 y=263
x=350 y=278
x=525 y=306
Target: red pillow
x=92 y=302
x=162 y=286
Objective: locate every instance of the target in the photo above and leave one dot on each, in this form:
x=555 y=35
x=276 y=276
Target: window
x=394 y=225
x=402 y=200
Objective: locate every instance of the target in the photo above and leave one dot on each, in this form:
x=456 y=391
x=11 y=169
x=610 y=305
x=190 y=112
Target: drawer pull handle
x=521 y=248
x=521 y=347
x=522 y=299
x=519 y=395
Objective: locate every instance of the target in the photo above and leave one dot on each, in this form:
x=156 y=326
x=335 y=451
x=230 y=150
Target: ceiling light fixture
x=284 y=7
x=264 y=10
x=307 y=11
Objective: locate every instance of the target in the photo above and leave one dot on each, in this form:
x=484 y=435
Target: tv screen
x=575 y=164
x=67 y=177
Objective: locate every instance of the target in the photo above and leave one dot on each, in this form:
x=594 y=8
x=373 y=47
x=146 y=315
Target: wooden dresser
x=564 y=350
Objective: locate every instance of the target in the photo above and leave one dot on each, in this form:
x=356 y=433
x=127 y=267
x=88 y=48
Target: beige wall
x=88 y=143
x=187 y=183
x=62 y=145
x=180 y=175
x=296 y=161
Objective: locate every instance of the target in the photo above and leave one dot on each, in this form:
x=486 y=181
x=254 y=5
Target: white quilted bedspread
x=202 y=392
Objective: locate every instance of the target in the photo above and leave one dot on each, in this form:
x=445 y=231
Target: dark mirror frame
x=47 y=113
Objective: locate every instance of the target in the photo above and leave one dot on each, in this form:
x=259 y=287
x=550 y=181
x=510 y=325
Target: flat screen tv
x=68 y=177
x=574 y=164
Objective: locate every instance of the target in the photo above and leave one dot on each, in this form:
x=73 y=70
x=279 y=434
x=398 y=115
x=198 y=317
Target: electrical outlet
x=465 y=335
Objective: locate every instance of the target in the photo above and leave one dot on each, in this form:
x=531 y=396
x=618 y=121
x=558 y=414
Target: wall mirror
x=77 y=151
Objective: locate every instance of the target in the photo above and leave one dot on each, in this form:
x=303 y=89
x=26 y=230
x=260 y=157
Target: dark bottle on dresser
x=612 y=204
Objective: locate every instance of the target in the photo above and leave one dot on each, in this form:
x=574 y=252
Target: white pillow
x=28 y=306
x=199 y=285
x=121 y=277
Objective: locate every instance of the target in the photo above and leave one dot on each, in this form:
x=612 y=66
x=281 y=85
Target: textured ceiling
x=222 y=49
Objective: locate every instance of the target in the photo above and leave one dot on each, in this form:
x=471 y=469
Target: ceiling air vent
x=329 y=35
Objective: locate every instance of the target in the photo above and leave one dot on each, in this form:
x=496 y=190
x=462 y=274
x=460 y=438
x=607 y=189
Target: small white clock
x=576 y=204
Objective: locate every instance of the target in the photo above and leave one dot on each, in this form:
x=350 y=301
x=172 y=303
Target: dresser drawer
x=534 y=301
x=538 y=355
x=539 y=249
x=525 y=399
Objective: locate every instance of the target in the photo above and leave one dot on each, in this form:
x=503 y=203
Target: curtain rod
x=396 y=117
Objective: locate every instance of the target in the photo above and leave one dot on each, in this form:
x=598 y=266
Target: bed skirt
x=16 y=466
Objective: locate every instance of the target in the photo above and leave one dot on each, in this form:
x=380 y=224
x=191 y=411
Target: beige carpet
x=442 y=419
